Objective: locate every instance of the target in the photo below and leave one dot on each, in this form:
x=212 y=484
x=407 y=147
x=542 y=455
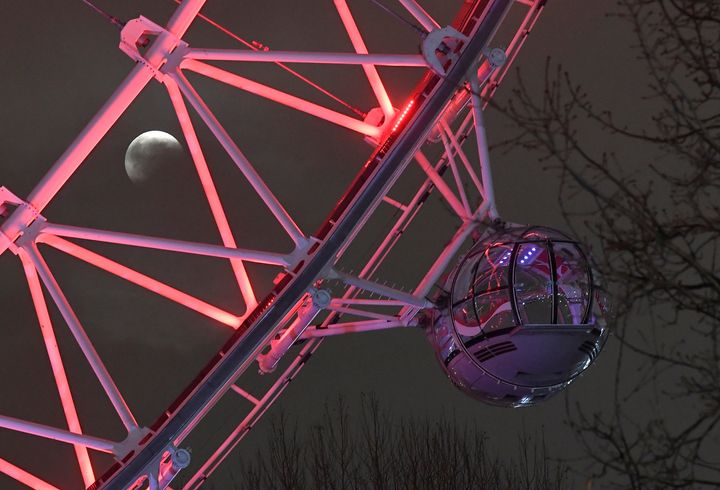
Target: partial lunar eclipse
x=153 y=155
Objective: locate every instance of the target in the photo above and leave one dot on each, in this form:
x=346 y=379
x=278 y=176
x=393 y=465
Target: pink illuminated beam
x=24 y=477
x=211 y=193
x=370 y=71
x=275 y=95
x=416 y=60
x=81 y=338
x=141 y=280
x=56 y=364
x=47 y=432
x=167 y=244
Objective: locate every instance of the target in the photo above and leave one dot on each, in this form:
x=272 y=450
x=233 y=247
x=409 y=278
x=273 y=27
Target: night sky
x=61 y=62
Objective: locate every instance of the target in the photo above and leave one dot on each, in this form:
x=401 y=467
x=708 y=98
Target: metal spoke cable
x=111 y=18
x=399 y=17
x=257 y=46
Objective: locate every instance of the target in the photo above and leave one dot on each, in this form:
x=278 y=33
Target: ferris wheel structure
x=431 y=141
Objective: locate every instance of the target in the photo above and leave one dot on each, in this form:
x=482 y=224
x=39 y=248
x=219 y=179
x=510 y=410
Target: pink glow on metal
x=408 y=213
x=58 y=369
x=211 y=194
x=280 y=97
x=142 y=280
x=394 y=203
x=47 y=432
x=307 y=57
x=183 y=16
x=81 y=337
x=24 y=477
x=369 y=69
x=120 y=100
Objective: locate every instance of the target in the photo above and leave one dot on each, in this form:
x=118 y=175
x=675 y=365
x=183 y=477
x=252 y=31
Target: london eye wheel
x=146 y=308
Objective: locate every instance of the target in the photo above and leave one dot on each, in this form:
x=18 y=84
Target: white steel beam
x=167 y=244
x=88 y=349
x=47 y=432
x=306 y=57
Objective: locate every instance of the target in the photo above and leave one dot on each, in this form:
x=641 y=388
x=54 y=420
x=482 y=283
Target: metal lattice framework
x=312 y=297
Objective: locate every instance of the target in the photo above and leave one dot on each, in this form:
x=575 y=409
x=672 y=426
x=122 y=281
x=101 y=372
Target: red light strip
x=403 y=115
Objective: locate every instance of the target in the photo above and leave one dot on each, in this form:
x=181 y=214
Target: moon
x=153 y=156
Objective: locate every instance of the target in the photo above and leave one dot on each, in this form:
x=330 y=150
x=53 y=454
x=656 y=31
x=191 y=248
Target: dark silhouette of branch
x=367 y=448
x=657 y=221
